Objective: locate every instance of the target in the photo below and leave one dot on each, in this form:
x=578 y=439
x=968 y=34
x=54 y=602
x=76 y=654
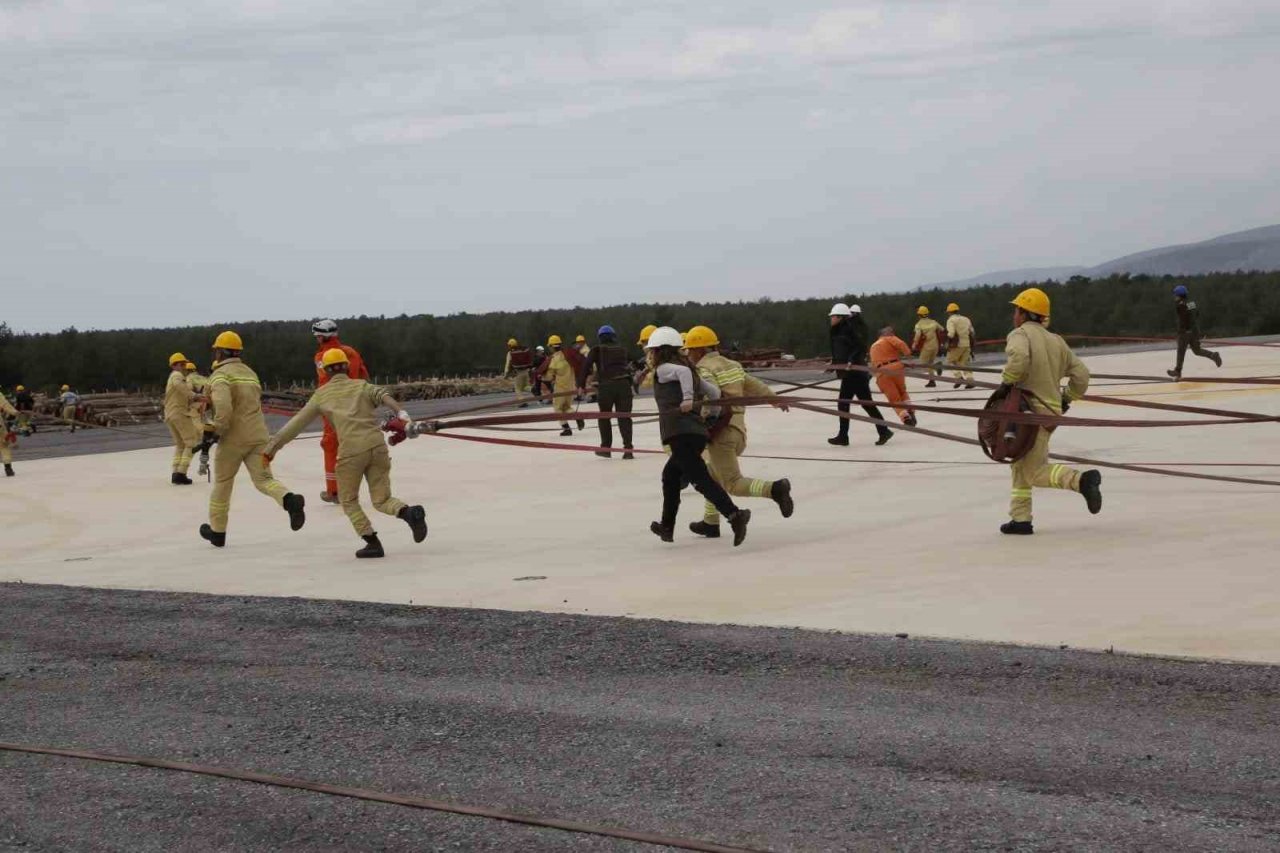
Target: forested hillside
x=421 y=344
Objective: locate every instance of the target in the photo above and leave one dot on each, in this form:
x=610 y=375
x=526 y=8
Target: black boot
x=1176 y=374
x=293 y=504
x=1217 y=359
x=1017 y=528
x=781 y=495
x=8 y=470
x=1091 y=488
x=931 y=384
x=839 y=441
x=329 y=497
x=372 y=548
x=884 y=437
x=738 y=521
x=217 y=540
x=179 y=479
x=627 y=454
x=911 y=421
x=662 y=531
x=604 y=454
x=565 y=430
x=957 y=385
x=416 y=518
x=582 y=425
x=702 y=528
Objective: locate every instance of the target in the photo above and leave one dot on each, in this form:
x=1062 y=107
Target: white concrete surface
x=1171 y=566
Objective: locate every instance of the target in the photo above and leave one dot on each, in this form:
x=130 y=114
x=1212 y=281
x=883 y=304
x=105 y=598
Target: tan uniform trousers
x=928 y=355
x=185 y=439
x=722 y=460
x=6 y=451
x=960 y=357
x=563 y=405
x=520 y=382
x=226 y=464
x=1035 y=471
x=69 y=415
x=373 y=466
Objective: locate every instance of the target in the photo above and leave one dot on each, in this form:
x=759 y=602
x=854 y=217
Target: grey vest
x=672 y=421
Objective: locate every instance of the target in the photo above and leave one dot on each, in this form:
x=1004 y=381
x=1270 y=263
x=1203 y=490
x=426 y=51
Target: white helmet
x=664 y=337
x=324 y=327
x=855 y=309
x=840 y=310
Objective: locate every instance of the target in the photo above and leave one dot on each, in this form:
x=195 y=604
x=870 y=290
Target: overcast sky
x=190 y=161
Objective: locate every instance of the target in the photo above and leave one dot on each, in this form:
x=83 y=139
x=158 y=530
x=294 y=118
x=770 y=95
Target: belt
x=890 y=361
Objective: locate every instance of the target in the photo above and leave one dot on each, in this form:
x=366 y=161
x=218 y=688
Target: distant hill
x=1255 y=249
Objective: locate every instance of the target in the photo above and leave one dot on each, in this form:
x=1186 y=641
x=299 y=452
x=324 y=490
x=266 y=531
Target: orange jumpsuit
x=887 y=354
x=329 y=441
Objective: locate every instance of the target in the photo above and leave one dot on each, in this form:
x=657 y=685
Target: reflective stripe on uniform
x=1020 y=493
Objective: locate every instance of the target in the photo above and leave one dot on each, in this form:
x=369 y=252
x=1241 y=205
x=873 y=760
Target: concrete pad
x=1171 y=566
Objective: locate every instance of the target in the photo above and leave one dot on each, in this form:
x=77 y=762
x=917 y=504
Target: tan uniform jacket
x=560 y=373
x=177 y=396
x=960 y=330
x=1038 y=361
x=6 y=408
x=350 y=405
x=926 y=332
x=236 y=395
x=733 y=381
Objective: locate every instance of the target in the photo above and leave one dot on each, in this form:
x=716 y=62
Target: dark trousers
x=615 y=396
x=686 y=464
x=1193 y=341
x=856 y=384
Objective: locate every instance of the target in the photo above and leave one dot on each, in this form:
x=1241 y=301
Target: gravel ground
x=769 y=738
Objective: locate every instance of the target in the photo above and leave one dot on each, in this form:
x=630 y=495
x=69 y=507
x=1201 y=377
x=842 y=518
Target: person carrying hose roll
x=1189 y=331
x=516 y=368
x=925 y=342
x=179 y=397
x=236 y=395
x=849 y=348
x=960 y=341
x=728 y=440
x=612 y=368
x=887 y=354
x=351 y=406
x=680 y=393
x=1037 y=362
x=558 y=374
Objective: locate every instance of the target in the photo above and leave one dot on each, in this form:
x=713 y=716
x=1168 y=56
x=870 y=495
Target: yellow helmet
x=554 y=341
x=953 y=308
x=580 y=339
x=646 y=333
x=513 y=343
x=922 y=311
x=21 y=388
x=700 y=337
x=176 y=358
x=334 y=356
x=228 y=340
x=65 y=388
x=1033 y=299
x=191 y=365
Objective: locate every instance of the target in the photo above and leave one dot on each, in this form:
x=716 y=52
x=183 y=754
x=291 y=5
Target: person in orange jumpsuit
x=886 y=357
x=326 y=333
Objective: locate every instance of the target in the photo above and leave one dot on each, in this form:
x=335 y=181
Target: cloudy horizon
x=173 y=164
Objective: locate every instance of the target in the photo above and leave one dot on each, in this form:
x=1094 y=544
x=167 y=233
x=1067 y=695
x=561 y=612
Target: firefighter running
x=8 y=434
x=516 y=368
x=960 y=341
x=25 y=403
x=613 y=389
x=926 y=343
x=326 y=335
x=351 y=405
x=1189 y=331
x=236 y=395
x=680 y=393
x=728 y=438
x=70 y=405
x=559 y=375
x=179 y=397
x=887 y=354
x=1038 y=361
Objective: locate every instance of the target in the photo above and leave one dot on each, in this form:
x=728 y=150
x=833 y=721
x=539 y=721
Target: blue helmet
x=1180 y=291
x=605 y=330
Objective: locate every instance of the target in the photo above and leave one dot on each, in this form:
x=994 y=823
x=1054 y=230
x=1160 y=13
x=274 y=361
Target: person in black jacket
x=613 y=379
x=849 y=346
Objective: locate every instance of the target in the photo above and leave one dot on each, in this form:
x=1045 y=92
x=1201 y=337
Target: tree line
x=1239 y=303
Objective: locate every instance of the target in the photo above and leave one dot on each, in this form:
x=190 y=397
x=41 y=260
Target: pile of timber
x=293 y=398
x=760 y=357
x=109 y=408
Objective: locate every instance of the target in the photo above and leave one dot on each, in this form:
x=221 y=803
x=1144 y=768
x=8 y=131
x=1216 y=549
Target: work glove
x=404 y=416
x=1066 y=403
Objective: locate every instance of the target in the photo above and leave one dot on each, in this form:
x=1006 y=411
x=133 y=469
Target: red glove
x=10 y=438
x=396 y=427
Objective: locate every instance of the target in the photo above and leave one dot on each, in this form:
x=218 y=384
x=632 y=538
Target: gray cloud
x=289 y=159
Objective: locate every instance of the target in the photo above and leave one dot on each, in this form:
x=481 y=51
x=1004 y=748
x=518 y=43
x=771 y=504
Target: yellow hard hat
x=512 y=342
x=700 y=337
x=554 y=341
x=646 y=333
x=922 y=311
x=21 y=388
x=952 y=308
x=228 y=340
x=65 y=388
x=1033 y=299
x=177 y=357
x=191 y=365
x=580 y=339
x=334 y=356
